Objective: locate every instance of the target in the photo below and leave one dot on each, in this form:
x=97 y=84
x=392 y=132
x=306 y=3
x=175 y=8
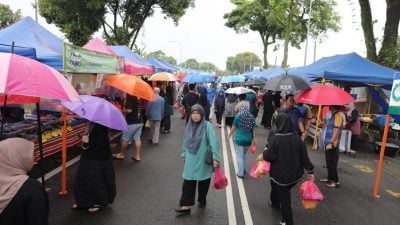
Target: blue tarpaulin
x=128 y=54
x=347 y=68
x=159 y=66
x=28 y=33
x=26 y=52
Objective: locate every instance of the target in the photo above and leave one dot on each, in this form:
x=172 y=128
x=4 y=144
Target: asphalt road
x=149 y=191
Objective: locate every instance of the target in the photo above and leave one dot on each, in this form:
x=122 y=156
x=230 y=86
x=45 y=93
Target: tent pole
x=64 y=155
x=381 y=155
x=40 y=142
x=316 y=128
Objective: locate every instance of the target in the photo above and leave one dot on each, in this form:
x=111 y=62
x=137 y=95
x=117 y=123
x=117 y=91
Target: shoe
x=324 y=180
x=181 y=211
x=94 y=208
x=136 y=160
x=118 y=156
x=201 y=205
x=324 y=166
x=241 y=177
x=282 y=223
x=331 y=184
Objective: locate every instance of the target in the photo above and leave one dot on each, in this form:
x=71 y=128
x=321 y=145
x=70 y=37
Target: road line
x=229 y=196
x=242 y=193
x=58 y=169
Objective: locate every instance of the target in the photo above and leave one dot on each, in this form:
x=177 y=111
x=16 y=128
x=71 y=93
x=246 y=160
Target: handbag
x=209 y=156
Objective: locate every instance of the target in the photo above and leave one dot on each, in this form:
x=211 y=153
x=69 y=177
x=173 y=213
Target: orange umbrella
x=163 y=76
x=131 y=85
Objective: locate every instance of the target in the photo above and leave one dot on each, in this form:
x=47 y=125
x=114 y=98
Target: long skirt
x=94 y=183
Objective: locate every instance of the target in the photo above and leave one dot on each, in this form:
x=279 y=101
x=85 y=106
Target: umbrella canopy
x=162 y=76
x=232 y=79
x=131 y=85
x=254 y=82
x=288 y=83
x=239 y=90
x=324 y=95
x=198 y=78
x=98 y=110
x=23 y=76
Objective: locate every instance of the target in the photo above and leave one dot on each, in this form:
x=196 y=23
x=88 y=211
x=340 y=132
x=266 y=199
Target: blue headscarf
x=246 y=120
x=220 y=99
x=194 y=131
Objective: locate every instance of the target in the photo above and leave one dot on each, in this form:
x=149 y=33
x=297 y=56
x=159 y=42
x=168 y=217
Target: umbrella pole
x=64 y=155
x=40 y=142
x=2 y=116
x=316 y=128
x=381 y=155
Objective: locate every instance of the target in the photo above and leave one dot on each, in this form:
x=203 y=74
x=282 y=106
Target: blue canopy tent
x=269 y=73
x=22 y=51
x=169 y=64
x=350 y=68
x=159 y=66
x=28 y=33
x=128 y=54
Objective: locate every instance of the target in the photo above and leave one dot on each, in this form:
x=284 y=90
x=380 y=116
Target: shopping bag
x=310 y=194
x=220 y=180
x=259 y=169
x=147 y=124
x=253 y=147
x=176 y=105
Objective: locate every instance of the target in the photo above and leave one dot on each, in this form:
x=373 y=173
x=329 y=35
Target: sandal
x=118 y=156
x=94 y=208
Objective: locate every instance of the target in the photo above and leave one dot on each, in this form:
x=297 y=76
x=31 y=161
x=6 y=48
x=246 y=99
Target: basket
x=310 y=204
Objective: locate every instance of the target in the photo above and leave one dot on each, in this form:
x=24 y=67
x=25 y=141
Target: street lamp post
x=180 y=51
x=308 y=32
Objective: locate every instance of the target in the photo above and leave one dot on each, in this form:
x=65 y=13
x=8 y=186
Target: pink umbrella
x=23 y=76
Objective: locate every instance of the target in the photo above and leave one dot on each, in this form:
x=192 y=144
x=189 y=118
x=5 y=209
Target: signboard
x=80 y=60
x=394 y=104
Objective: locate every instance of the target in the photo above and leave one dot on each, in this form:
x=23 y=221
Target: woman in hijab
x=230 y=105
x=243 y=127
x=94 y=185
x=199 y=138
x=288 y=156
x=22 y=199
x=219 y=105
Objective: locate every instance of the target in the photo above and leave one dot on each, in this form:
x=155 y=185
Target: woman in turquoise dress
x=199 y=137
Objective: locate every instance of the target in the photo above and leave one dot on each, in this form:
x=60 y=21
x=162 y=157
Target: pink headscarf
x=16 y=156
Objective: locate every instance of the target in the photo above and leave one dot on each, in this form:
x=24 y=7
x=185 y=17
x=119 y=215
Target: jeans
x=241 y=158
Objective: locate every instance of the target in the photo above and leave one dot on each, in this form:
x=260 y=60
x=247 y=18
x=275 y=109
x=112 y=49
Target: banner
x=394 y=104
x=80 y=60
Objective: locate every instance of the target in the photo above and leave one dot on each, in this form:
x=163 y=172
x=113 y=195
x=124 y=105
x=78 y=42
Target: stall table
x=344 y=142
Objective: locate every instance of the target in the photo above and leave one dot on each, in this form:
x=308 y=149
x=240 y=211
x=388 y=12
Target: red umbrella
x=324 y=95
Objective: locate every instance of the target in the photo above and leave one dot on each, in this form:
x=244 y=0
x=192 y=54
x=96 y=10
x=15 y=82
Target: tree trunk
x=366 y=23
x=287 y=34
x=265 y=53
x=388 y=53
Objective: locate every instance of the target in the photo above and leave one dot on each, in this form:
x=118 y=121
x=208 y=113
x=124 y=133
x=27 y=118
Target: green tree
x=125 y=17
x=77 y=19
x=255 y=16
x=7 y=16
x=191 y=64
x=161 y=56
x=388 y=54
x=207 y=66
x=294 y=14
x=242 y=62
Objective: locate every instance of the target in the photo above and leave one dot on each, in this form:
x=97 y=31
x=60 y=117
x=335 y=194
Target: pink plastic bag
x=253 y=147
x=310 y=191
x=220 y=180
x=259 y=169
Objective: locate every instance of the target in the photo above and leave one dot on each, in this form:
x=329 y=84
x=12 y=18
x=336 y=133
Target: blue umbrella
x=232 y=79
x=99 y=111
x=198 y=78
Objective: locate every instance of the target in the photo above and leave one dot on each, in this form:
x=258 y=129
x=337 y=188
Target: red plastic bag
x=176 y=105
x=259 y=169
x=253 y=147
x=220 y=180
x=310 y=194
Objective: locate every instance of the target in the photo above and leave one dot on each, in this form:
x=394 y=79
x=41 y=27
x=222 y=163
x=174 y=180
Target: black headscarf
x=194 y=131
x=283 y=124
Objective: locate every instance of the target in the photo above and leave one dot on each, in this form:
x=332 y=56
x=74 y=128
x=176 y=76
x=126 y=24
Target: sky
x=201 y=34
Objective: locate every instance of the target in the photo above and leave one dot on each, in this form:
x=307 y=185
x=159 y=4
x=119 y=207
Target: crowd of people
x=95 y=185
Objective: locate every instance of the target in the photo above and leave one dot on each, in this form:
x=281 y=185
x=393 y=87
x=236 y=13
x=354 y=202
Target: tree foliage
x=191 y=64
x=162 y=56
x=121 y=20
x=7 y=16
x=388 y=54
x=242 y=62
x=207 y=66
x=77 y=19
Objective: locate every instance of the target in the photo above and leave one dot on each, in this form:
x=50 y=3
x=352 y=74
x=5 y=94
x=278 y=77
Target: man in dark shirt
x=189 y=100
x=134 y=117
x=294 y=114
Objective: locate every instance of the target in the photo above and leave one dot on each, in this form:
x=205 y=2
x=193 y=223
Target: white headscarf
x=16 y=156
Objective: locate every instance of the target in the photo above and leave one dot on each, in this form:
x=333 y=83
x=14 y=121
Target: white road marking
x=242 y=193
x=58 y=169
x=229 y=196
